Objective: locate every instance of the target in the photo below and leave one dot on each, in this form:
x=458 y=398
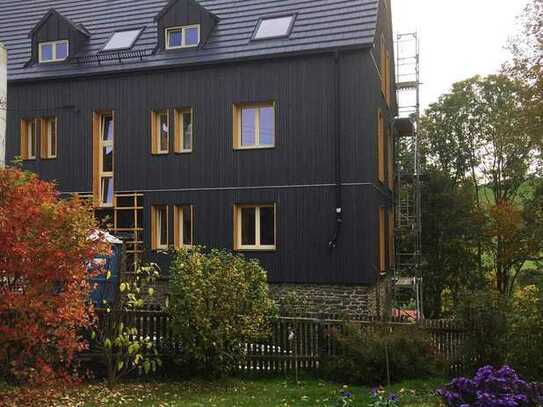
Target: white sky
x=458 y=38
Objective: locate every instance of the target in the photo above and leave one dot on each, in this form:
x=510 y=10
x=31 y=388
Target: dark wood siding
x=298 y=174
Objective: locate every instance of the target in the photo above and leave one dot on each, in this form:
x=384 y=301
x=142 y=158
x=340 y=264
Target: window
x=273 y=27
x=159 y=227
x=104 y=134
x=382 y=241
x=122 y=40
x=381 y=146
x=390 y=159
x=254 y=125
x=48 y=138
x=29 y=128
x=53 y=51
x=183 y=130
x=254 y=227
x=183 y=37
x=160 y=132
x=183 y=226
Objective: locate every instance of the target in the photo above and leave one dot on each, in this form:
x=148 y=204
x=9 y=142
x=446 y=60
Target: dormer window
x=53 y=51
x=273 y=27
x=183 y=37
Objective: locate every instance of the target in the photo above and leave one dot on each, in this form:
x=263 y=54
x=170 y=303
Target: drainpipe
x=3 y=102
x=337 y=125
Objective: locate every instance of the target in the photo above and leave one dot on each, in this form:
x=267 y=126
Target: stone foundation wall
x=322 y=300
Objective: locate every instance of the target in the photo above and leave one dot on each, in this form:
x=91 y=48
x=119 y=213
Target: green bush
x=219 y=302
x=362 y=355
x=484 y=314
x=525 y=337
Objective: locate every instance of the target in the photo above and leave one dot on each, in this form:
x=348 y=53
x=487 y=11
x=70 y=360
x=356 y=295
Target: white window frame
x=54 y=51
x=238 y=136
x=239 y=221
x=183 y=40
x=180 y=226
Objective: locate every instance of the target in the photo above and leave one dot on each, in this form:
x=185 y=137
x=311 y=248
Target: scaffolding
x=408 y=279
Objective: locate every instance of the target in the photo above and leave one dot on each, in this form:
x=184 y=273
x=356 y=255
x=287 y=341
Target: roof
x=320 y=25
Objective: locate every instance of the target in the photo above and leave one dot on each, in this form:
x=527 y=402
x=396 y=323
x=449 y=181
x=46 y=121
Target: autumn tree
x=44 y=249
x=478 y=134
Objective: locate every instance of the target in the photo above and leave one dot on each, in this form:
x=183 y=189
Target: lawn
x=270 y=392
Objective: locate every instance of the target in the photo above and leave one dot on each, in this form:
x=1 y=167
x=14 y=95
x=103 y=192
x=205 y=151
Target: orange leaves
x=44 y=247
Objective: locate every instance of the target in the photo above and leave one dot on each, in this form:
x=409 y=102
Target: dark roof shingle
x=320 y=24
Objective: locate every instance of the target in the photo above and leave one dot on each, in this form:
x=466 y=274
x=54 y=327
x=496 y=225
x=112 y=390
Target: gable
x=182 y=13
x=54 y=27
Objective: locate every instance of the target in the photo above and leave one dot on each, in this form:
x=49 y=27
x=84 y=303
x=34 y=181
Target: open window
x=29 y=138
x=254 y=125
x=48 y=139
x=160 y=132
x=381 y=146
x=183 y=224
x=53 y=51
x=183 y=130
x=159 y=227
x=182 y=37
x=255 y=227
x=103 y=134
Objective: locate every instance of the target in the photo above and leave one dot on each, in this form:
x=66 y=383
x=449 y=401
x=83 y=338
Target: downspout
x=337 y=126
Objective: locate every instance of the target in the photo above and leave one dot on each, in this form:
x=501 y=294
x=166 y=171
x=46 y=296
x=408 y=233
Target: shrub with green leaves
x=219 y=301
x=362 y=355
x=525 y=337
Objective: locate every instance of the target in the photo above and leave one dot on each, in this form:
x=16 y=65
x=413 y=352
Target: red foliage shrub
x=44 y=248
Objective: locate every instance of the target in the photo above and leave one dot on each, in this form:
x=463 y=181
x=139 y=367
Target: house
x=265 y=127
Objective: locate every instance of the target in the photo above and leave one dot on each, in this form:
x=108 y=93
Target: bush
x=219 y=302
x=492 y=388
x=525 y=337
x=44 y=249
x=362 y=356
x=484 y=314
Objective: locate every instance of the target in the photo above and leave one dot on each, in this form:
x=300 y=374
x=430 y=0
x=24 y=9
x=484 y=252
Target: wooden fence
x=303 y=342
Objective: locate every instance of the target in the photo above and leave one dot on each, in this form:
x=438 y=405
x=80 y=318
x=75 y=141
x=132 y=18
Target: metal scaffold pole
x=408 y=279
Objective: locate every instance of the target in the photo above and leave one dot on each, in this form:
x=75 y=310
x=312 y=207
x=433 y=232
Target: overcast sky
x=458 y=38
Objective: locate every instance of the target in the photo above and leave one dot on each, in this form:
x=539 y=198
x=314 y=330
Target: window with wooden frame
x=382 y=64
x=382 y=241
x=388 y=79
x=159 y=227
x=160 y=132
x=183 y=226
x=254 y=125
x=255 y=227
x=381 y=146
x=48 y=139
x=390 y=159
x=29 y=138
x=183 y=130
x=103 y=143
x=391 y=238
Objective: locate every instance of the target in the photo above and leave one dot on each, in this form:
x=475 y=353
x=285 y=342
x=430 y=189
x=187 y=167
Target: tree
x=44 y=249
x=219 y=302
x=478 y=134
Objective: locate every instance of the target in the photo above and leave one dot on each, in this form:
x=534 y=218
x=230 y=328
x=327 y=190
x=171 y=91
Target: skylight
x=122 y=40
x=274 y=27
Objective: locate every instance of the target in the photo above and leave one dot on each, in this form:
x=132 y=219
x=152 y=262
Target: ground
x=270 y=392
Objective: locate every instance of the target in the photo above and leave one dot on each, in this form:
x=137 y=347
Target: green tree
x=478 y=135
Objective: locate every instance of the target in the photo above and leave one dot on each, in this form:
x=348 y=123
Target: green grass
x=270 y=392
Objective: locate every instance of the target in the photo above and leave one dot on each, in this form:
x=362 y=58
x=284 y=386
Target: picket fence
x=303 y=342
